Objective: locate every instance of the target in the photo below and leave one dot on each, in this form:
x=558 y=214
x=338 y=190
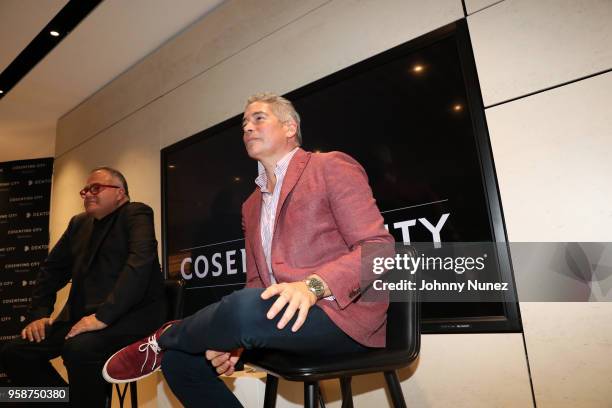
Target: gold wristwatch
x=315 y=286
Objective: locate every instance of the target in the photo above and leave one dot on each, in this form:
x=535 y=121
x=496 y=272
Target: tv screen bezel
x=511 y=320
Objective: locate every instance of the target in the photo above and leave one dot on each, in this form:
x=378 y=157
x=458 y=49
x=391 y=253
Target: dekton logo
x=39 y=181
x=35 y=247
x=37 y=214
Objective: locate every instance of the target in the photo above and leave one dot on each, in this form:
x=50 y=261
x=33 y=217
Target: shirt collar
x=280 y=169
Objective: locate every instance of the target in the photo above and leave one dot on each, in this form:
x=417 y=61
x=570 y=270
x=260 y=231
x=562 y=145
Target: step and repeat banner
x=25 y=192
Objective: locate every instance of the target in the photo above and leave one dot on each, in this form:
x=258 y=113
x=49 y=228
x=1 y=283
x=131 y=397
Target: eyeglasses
x=95 y=189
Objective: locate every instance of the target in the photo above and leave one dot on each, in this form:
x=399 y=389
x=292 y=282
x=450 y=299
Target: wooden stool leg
x=395 y=389
x=271 y=390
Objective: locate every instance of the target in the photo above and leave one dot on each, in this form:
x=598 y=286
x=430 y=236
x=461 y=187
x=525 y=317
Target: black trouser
x=27 y=363
x=238 y=320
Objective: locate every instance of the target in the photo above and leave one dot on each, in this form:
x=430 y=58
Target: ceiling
x=112 y=38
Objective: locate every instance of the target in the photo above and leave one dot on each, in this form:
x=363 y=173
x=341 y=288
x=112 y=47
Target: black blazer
x=118 y=278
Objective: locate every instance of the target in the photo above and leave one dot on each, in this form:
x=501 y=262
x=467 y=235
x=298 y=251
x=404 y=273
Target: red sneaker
x=136 y=361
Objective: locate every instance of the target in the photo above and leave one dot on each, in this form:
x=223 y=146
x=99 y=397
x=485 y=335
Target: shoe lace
x=152 y=345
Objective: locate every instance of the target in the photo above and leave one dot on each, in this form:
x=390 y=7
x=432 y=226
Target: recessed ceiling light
x=171 y=166
x=457 y=108
x=1 y=91
x=418 y=68
x=54 y=33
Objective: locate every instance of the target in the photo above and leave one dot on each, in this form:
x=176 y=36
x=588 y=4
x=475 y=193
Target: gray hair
x=116 y=174
x=282 y=108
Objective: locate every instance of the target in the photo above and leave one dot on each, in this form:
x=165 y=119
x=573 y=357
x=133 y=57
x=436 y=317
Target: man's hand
x=296 y=296
x=86 y=324
x=35 y=331
x=224 y=361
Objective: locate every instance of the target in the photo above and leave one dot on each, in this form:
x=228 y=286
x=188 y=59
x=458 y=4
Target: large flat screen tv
x=412 y=116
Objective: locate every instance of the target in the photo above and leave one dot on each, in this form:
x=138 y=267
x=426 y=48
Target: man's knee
x=9 y=352
x=245 y=306
x=81 y=349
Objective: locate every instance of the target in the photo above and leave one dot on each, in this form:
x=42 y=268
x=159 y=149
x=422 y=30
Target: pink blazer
x=325 y=212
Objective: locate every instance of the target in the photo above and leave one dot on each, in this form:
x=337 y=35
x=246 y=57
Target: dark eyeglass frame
x=95 y=189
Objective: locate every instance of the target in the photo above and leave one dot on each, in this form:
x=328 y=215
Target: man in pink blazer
x=304 y=227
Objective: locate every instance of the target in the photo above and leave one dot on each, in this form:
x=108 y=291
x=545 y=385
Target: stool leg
x=134 y=393
x=311 y=394
x=347 y=392
x=395 y=389
x=321 y=399
x=271 y=389
x=121 y=393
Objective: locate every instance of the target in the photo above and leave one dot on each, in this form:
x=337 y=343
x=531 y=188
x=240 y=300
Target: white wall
x=34 y=145
x=202 y=77
x=551 y=151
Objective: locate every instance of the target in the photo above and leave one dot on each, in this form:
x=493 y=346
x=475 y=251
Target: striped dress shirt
x=269 y=204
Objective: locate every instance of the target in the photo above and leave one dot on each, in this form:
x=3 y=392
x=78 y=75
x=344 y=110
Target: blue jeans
x=238 y=320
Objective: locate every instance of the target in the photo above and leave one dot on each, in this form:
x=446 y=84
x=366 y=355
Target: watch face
x=316 y=286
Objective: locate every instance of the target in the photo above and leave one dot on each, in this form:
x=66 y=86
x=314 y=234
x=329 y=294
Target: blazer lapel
x=294 y=171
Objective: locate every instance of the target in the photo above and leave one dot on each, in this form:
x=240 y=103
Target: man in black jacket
x=110 y=254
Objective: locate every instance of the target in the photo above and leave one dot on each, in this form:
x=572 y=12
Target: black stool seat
x=305 y=368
